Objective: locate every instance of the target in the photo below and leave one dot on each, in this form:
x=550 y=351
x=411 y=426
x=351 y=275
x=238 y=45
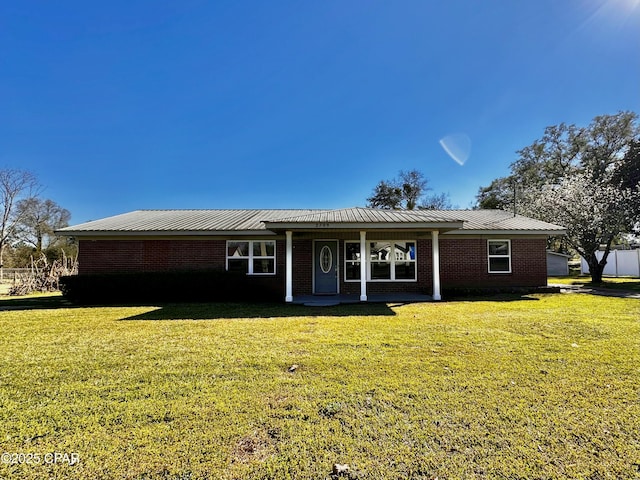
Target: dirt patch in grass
x=256 y=446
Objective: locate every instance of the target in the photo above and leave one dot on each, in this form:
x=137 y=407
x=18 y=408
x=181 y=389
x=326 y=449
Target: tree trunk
x=596 y=267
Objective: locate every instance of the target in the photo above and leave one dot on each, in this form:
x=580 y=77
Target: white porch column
x=363 y=266
x=289 y=268
x=435 y=250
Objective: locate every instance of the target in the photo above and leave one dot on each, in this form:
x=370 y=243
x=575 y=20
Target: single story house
x=352 y=251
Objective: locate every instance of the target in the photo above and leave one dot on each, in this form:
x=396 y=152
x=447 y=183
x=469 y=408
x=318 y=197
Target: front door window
x=326 y=259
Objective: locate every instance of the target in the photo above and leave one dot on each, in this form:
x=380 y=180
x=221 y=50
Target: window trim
x=348 y=261
x=369 y=263
x=251 y=257
x=490 y=256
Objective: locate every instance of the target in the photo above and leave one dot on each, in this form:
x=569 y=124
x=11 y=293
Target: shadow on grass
x=631 y=285
x=497 y=297
x=202 y=311
x=212 y=311
x=215 y=311
x=35 y=302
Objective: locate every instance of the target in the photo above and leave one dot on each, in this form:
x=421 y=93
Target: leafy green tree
x=498 y=195
x=401 y=193
x=386 y=195
x=627 y=176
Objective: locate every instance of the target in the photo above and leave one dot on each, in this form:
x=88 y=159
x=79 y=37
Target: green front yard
x=538 y=387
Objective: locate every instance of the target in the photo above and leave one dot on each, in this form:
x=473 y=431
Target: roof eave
x=319 y=226
x=507 y=232
x=160 y=233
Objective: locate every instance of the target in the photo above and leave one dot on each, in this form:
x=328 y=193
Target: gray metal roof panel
x=182 y=221
x=500 y=220
x=368 y=215
x=473 y=219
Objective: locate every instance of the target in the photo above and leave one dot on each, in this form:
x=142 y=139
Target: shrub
x=186 y=286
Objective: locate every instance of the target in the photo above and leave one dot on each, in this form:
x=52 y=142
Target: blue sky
x=123 y=105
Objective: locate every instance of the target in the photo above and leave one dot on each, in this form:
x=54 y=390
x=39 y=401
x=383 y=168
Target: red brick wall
x=302 y=267
x=120 y=256
x=463 y=262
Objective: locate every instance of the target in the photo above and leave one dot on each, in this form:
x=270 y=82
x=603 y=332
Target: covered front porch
x=348 y=252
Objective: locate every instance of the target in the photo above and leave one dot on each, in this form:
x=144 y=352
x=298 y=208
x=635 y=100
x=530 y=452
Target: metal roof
x=368 y=215
x=148 y=221
x=500 y=220
x=212 y=222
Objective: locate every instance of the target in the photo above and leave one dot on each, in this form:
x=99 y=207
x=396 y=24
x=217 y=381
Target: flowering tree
x=593 y=214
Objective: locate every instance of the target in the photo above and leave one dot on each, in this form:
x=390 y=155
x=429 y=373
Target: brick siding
x=124 y=256
x=463 y=262
x=302 y=267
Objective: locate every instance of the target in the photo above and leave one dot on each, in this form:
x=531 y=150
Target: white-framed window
x=389 y=260
x=351 y=261
x=253 y=257
x=499 y=252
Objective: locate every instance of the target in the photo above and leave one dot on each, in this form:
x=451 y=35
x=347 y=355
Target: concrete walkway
x=331 y=300
x=605 y=292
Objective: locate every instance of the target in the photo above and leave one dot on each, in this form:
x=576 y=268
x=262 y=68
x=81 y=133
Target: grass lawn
x=538 y=387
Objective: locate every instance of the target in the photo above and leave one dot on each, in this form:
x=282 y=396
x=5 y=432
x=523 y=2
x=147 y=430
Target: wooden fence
x=12 y=274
